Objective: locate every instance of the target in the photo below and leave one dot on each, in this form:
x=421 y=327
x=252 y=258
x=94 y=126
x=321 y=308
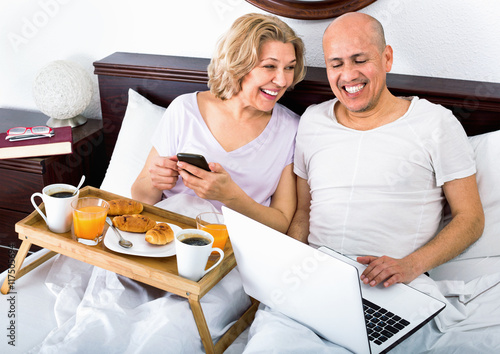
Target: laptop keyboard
x=380 y=323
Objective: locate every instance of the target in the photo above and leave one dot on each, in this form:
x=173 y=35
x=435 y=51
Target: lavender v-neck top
x=256 y=167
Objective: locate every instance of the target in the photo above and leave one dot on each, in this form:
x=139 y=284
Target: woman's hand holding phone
x=164 y=172
x=194 y=164
x=193 y=159
x=212 y=182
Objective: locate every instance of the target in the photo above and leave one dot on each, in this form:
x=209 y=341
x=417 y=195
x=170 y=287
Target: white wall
x=446 y=38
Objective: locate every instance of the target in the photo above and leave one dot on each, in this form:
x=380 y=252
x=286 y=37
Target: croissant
x=133 y=223
x=161 y=234
x=124 y=206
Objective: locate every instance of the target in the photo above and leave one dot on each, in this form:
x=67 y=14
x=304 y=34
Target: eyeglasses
x=23 y=133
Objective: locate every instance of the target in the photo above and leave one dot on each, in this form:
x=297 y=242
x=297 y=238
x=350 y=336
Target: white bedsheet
x=97 y=309
x=32 y=309
x=67 y=306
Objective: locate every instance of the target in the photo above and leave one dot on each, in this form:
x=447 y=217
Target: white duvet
x=67 y=306
x=98 y=311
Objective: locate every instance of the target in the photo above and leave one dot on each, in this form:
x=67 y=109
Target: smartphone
x=194 y=159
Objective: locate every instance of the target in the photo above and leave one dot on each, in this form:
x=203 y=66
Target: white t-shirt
x=379 y=192
x=256 y=167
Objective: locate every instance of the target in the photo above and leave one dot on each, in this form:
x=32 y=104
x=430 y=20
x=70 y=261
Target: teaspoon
x=124 y=243
x=79 y=184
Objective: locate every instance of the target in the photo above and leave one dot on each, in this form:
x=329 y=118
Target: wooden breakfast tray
x=158 y=272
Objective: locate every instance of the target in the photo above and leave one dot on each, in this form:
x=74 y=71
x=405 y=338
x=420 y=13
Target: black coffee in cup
x=62 y=194
x=196 y=241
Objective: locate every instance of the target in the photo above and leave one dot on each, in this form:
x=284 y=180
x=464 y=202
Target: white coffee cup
x=59 y=213
x=192 y=258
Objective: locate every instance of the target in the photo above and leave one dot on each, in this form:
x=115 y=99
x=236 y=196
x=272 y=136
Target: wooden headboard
x=161 y=78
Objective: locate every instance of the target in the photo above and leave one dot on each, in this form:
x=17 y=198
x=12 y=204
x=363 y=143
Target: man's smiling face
x=356 y=64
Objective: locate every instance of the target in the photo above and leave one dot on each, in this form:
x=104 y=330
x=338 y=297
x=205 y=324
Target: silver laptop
x=320 y=288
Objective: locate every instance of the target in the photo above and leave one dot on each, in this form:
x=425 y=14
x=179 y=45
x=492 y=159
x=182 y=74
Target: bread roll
x=124 y=207
x=161 y=234
x=133 y=223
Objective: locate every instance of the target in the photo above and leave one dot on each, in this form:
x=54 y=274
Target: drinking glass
x=89 y=217
x=213 y=223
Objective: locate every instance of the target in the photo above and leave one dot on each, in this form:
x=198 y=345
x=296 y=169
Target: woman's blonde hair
x=237 y=52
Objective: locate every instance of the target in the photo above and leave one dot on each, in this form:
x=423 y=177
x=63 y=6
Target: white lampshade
x=62 y=90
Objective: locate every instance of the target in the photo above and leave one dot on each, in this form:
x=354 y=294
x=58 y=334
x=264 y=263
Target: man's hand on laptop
x=387 y=270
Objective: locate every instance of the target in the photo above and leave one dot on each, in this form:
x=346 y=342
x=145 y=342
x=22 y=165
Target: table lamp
x=62 y=90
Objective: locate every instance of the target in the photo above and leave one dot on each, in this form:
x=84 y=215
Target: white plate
x=141 y=247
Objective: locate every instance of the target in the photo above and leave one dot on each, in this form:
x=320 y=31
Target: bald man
x=375 y=170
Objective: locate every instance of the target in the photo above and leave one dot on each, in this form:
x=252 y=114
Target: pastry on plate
x=133 y=223
x=161 y=234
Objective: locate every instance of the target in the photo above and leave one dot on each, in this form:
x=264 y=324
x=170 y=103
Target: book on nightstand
x=59 y=144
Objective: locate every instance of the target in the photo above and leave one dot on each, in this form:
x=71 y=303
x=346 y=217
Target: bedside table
x=20 y=178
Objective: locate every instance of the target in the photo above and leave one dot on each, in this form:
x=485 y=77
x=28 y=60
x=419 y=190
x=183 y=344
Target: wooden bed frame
x=162 y=78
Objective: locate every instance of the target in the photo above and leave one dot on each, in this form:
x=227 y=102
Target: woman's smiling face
x=264 y=85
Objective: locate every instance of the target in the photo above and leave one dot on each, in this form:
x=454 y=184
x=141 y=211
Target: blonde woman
x=247 y=137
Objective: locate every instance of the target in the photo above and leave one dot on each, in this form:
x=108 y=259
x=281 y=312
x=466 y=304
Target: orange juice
x=88 y=221
x=218 y=231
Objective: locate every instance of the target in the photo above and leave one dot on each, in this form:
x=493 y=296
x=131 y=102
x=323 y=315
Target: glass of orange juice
x=89 y=217
x=213 y=223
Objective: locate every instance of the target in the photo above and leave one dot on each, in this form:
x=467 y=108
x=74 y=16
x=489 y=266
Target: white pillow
x=487 y=154
x=133 y=144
